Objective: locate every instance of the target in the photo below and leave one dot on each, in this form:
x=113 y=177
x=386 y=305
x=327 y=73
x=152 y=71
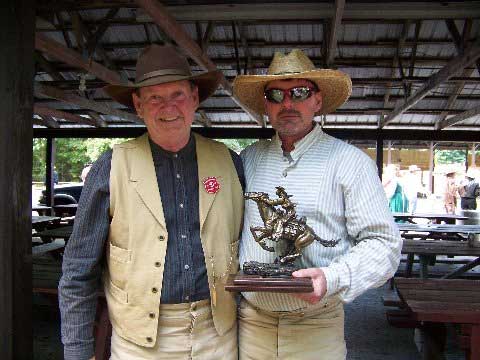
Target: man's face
x=293 y=119
x=168 y=110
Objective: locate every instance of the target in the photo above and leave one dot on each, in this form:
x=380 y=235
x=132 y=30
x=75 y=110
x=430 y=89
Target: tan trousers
x=312 y=334
x=185 y=331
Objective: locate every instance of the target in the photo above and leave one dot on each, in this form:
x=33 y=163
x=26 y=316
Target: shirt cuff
x=78 y=352
x=332 y=277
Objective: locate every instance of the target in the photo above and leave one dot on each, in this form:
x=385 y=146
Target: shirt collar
x=159 y=153
x=302 y=145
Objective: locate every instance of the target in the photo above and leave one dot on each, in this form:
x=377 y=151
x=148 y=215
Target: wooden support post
x=379 y=157
x=430 y=167
x=17 y=19
x=49 y=170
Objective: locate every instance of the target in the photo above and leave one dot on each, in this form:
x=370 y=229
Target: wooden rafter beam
x=54 y=93
x=99 y=122
x=235 y=41
x=48 y=67
x=73 y=58
x=94 y=39
x=453 y=67
x=46 y=120
x=46 y=111
x=458 y=87
x=336 y=22
x=295 y=11
x=461 y=41
x=460 y=117
x=418 y=26
x=89 y=43
x=204 y=119
x=170 y=26
x=207 y=37
x=246 y=47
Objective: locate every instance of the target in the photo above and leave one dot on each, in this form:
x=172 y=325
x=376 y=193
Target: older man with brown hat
x=159 y=220
x=336 y=188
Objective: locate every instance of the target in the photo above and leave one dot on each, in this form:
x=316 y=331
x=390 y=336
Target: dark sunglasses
x=296 y=94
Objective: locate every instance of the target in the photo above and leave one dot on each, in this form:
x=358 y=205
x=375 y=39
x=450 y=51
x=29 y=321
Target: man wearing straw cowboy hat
x=160 y=217
x=470 y=190
x=336 y=188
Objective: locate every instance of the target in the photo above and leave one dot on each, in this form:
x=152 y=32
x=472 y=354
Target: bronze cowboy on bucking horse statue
x=283 y=224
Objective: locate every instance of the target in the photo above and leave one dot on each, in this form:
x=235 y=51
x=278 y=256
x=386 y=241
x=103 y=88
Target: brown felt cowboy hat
x=334 y=85
x=163 y=64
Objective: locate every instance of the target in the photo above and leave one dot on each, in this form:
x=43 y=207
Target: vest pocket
x=119 y=254
x=116 y=292
x=118 y=260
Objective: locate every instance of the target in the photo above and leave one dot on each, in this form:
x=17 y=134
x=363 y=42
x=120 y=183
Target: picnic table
x=427 y=250
x=431 y=303
x=66 y=210
x=438 y=231
x=41 y=209
x=42 y=222
x=434 y=218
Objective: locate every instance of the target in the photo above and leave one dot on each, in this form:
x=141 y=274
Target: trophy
x=282 y=226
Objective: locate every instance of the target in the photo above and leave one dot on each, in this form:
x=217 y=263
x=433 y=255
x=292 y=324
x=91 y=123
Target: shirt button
x=178 y=176
x=187 y=267
x=149 y=339
x=158 y=263
x=151 y=315
x=181 y=205
x=161 y=238
x=184 y=236
x=284 y=173
x=187 y=298
x=175 y=155
x=154 y=290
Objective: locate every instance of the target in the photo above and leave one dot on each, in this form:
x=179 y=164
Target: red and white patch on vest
x=211 y=185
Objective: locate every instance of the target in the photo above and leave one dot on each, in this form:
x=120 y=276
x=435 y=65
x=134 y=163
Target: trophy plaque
x=281 y=226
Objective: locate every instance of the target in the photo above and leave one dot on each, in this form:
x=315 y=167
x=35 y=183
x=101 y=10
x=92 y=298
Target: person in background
x=411 y=186
x=470 y=190
x=158 y=224
x=397 y=199
x=451 y=191
x=85 y=171
x=336 y=188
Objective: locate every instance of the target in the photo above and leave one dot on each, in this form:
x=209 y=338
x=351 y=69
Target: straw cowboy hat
x=447 y=170
x=334 y=85
x=472 y=172
x=159 y=65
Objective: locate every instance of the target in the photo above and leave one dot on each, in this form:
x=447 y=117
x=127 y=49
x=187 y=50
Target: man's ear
x=137 y=103
x=195 y=97
x=319 y=101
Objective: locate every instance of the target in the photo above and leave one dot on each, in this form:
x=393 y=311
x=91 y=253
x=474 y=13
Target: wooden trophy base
x=242 y=282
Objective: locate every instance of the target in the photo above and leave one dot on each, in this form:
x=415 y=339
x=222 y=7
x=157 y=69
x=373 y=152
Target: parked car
x=64 y=194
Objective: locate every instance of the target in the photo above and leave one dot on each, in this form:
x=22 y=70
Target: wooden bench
x=430 y=302
x=46 y=276
x=48 y=235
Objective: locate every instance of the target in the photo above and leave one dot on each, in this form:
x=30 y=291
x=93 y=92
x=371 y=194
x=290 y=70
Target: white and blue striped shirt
x=337 y=189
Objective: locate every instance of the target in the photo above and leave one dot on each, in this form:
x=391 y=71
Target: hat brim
x=334 y=85
x=207 y=83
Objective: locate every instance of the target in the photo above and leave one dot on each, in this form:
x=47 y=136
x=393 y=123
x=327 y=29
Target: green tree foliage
x=237 y=145
x=449 y=156
x=71 y=156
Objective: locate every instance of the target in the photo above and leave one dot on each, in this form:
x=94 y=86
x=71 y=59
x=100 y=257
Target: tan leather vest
x=138 y=237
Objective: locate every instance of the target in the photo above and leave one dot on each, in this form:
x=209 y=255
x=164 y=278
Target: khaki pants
x=185 y=331
x=312 y=334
